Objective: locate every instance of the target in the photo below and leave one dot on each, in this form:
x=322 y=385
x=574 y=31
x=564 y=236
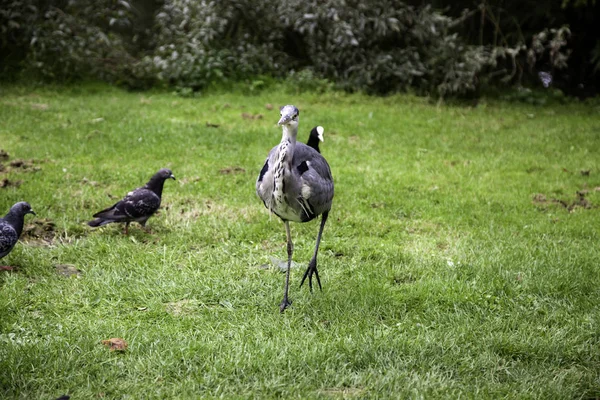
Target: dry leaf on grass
x=115 y=344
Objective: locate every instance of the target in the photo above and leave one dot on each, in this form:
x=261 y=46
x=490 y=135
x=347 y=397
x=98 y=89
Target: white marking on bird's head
x=320 y=131
x=289 y=116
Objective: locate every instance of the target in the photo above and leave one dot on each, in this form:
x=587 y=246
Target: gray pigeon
x=138 y=205
x=11 y=227
x=316 y=136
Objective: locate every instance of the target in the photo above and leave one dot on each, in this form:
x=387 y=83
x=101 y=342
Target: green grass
x=443 y=277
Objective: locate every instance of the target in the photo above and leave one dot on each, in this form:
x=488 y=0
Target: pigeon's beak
x=31 y=212
x=172 y=177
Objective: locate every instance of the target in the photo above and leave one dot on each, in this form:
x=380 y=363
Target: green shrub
x=378 y=47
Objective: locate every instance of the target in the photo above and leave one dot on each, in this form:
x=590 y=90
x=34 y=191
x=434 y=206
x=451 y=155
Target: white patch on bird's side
x=320 y=132
x=306 y=191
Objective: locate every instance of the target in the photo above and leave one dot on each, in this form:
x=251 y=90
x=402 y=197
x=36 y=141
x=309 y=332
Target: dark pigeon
x=11 y=227
x=316 y=136
x=138 y=205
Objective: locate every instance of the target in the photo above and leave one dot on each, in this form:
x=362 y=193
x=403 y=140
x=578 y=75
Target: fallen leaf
x=269 y=106
x=210 y=125
x=115 y=344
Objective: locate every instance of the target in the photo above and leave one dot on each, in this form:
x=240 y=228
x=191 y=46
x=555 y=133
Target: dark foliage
x=379 y=47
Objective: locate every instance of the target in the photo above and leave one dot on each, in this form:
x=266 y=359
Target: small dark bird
x=11 y=227
x=138 y=205
x=316 y=136
x=296 y=185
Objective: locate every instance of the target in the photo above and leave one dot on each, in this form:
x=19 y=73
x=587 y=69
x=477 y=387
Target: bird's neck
x=156 y=185
x=313 y=142
x=287 y=145
x=16 y=220
x=283 y=164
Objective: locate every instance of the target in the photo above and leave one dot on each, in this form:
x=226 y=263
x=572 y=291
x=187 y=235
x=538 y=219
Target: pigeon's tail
x=99 y=222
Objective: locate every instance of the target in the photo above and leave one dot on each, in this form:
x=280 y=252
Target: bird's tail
x=98 y=222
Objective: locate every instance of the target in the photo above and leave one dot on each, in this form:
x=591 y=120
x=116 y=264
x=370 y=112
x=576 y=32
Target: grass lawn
x=459 y=259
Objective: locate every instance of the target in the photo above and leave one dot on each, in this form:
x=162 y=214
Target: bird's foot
x=284 y=304
x=310 y=271
x=6 y=268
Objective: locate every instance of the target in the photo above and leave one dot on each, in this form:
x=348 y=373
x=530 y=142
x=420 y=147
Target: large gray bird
x=11 y=227
x=316 y=136
x=138 y=205
x=296 y=185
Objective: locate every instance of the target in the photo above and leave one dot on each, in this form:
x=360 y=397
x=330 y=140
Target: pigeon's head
x=22 y=208
x=289 y=116
x=165 y=174
x=318 y=132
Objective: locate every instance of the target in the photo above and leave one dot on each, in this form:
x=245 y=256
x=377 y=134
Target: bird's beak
x=172 y=177
x=31 y=212
x=284 y=119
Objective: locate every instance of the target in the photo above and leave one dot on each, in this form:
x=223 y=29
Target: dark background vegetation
x=437 y=48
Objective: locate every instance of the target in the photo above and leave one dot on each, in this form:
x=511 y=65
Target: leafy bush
x=74 y=41
x=378 y=47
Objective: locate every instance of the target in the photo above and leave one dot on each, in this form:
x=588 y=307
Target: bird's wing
x=264 y=183
x=138 y=203
x=315 y=178
x=8 y=238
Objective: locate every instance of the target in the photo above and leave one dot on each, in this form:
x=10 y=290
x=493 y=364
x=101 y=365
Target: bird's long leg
x=312 y=265
x=127 y=228
x=290 y=249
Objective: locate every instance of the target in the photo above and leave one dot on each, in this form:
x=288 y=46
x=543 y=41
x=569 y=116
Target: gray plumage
x=138 y=206
x=11 y=226
x=295 y=184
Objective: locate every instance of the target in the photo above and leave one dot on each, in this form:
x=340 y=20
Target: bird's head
x=289 y=116
x=320 y=130
x=165 y=174
x=22 y=208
